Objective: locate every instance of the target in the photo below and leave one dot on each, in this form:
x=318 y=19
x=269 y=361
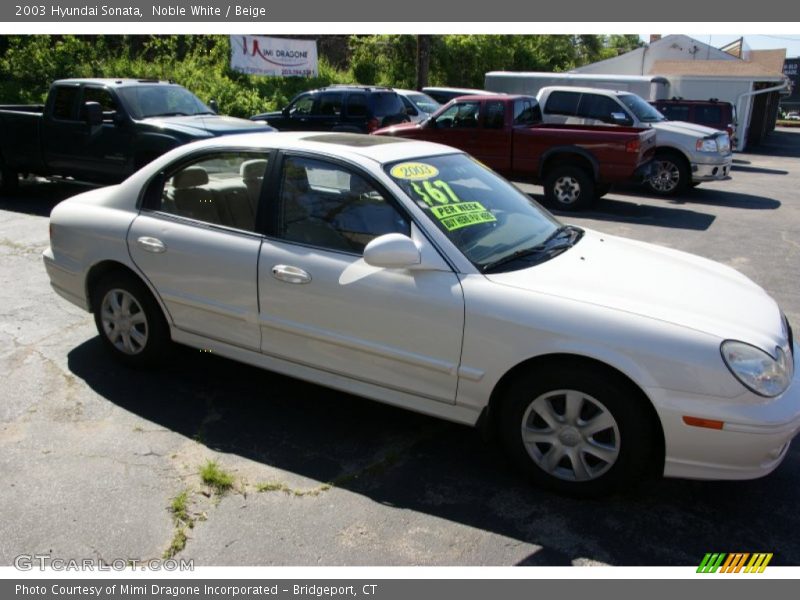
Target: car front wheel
x=129 y=320
x=578 y=431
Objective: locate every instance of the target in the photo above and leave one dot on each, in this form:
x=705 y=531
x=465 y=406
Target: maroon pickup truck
x=575 y=163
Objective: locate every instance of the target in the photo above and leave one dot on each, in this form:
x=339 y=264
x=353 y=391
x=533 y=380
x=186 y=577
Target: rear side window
x=562 y=103
x=64 y=103
x=357 y=105
x=386 y=104
x=675 y=112
x=331 y=104
x=495 y=115
x=708 y=115
x=527 y=112
x=219 y=189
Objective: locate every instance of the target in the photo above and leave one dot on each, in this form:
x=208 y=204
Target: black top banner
x=498 y=11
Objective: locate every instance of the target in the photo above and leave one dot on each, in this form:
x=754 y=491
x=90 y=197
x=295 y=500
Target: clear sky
x=756 y=42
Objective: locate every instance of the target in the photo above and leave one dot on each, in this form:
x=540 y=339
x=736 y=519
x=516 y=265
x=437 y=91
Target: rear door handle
x=290 y=274
x=151 y=244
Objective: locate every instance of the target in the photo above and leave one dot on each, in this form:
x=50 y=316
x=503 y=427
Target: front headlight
x=707 y=145
x=757 y=370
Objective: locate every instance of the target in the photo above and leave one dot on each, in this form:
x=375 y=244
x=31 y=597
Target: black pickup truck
x=102 y=130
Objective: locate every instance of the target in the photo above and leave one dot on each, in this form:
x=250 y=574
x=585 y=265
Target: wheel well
x=101 y=270
x=563 y=159
x=674 y=152
x=488 y=420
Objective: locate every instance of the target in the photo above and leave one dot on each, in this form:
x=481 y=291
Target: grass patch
x=214 y=476
x=177 y=544
x=179 y=508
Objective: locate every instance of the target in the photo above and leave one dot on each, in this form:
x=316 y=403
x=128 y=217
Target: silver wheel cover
x=667 y=176
x=566 y=190
x=570 y=435
x=124 y=322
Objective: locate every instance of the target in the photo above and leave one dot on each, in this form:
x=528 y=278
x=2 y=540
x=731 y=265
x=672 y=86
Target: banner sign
x=273 y=57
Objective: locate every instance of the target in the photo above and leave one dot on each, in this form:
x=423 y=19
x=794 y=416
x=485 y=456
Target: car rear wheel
x=670 y=175
x=569 y=188
x=577 y=430
x=129 y=320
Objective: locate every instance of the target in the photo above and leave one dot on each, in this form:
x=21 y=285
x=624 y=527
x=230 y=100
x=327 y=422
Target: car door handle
x=151 y=244
x=290 y=274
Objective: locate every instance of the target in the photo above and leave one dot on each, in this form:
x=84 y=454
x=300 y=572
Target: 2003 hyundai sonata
x=409 y=273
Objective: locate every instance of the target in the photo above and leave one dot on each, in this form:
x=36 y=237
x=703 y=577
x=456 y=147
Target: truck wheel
x=569 y=188
x=579 y=431
x=129 y=320
x=671 y=174
x=9 y=180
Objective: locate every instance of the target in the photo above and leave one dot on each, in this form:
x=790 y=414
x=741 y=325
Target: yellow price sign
x=414 y=171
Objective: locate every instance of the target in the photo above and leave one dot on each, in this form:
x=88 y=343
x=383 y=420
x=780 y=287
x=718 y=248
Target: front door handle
x=151 y=244
x=290 y=274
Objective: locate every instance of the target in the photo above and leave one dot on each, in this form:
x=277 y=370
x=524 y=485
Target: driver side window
x=329 y=206
x=302 y=106
x=462 y=115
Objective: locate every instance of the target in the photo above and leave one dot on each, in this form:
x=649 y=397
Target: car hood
x=211 y=125
x=400 y=128
x=658 y=283
x=684 y=128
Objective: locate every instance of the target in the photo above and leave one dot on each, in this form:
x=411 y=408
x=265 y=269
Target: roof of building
x=721 y=68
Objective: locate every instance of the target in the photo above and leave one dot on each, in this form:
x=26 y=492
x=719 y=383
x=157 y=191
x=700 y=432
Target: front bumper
x=714 y=170
x=754 y=440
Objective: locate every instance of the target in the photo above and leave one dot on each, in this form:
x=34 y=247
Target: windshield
x=490 y=221
x=643 y=111
x=425 y=103
x=144 y=101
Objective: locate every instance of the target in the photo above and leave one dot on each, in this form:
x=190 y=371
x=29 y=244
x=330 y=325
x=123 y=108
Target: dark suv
x=711 y=113
x=352 y=108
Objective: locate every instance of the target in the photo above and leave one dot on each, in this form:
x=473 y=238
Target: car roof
x=353 y=146
x=584 y=90
x=494 y=97
x=459 y=90
x=109 y=82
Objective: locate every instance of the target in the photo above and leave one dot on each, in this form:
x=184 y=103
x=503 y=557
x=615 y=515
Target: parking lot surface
x=93 y=455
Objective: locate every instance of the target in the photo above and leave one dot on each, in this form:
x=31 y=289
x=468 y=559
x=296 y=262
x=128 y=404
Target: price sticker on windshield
x=464 y=214
x=414 y=171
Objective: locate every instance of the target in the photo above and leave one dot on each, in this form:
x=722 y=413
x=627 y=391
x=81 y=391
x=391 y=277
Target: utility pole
x=423 y=60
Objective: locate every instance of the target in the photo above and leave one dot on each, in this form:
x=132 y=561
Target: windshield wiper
x=560 y=240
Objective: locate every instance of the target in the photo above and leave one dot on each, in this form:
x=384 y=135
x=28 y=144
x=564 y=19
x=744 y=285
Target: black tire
x=569 y=188
x=9 y=180
x=671 y=174
x=141 y=340
x=601 y=189
x=628 y=442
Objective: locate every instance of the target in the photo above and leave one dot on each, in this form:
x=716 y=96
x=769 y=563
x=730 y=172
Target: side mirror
x=620 y=118
x=93 y=113
x=212 y=104
x=285 y=112
x=392 y=251
x=411 y=111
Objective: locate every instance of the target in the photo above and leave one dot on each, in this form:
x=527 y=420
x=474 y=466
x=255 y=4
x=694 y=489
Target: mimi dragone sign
x=275 y=57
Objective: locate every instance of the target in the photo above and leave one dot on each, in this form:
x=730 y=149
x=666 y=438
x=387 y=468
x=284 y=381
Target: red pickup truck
x=575 y=163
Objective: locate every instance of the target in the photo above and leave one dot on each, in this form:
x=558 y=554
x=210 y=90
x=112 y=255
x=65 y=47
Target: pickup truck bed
x=576 y=163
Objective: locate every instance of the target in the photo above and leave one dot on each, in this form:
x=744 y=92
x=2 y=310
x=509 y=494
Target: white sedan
x=408 y=273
